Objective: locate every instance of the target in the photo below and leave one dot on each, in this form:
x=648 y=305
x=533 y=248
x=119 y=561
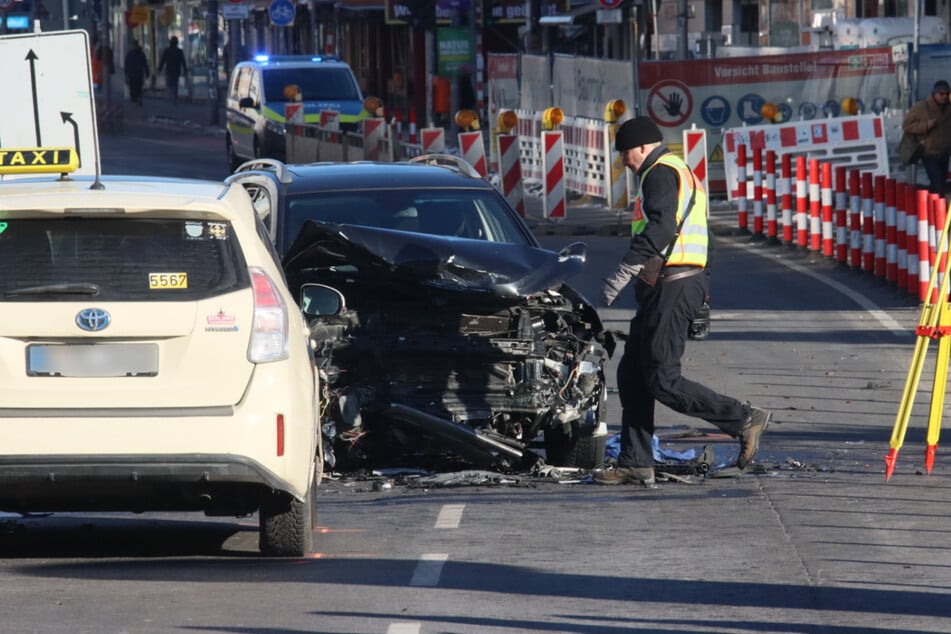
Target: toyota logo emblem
x=93 y=319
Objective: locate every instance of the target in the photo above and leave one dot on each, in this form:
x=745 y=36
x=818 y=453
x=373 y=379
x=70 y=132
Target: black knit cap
x=941 y=86
x=636 y=132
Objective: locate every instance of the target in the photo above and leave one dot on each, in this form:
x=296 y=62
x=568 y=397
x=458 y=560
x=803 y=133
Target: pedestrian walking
x=930 y=121
x=667 y=256
x=173 y=63
x=136 y=71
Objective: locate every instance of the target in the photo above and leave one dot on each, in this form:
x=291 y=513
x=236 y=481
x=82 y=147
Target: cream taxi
x=151 y=356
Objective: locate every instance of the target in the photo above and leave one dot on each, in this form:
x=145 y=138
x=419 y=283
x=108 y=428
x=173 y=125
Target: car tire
x=233 y=161
x=574 y=448
x=287 y=525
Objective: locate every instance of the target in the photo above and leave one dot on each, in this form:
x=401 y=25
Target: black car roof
x=371 y=175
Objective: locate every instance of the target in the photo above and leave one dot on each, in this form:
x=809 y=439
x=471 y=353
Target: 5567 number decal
x=168 y=280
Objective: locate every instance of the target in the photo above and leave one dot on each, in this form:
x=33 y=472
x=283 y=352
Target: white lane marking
x=428 y=569
x=449 y=516
x=873 y=309
x=404 y=628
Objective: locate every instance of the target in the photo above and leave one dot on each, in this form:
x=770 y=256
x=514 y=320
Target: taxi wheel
x=287 y=525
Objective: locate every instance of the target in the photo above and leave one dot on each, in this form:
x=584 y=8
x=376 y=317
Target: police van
x=259 y=90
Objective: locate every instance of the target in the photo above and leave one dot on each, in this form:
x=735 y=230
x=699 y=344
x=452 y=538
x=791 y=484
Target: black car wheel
x=286 y=525
x=574 y=448
x=233 y=160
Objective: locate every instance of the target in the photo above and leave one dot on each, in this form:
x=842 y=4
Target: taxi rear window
x=118 y=259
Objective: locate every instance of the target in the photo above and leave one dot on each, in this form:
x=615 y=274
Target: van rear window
x=118 y=259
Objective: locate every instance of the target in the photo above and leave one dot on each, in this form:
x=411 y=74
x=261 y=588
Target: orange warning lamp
x=467 y=120
x=292 y=92
x=614 y=110
x=769 y=111
x=506 y=120
x=373 y=105
x=552 y=118
x=850 y=106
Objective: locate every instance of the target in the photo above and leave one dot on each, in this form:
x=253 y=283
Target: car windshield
x=316 y=83
x=462 y=213
x=118 y=259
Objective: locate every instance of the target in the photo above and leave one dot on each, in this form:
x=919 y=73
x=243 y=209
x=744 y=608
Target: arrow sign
x=48 y=84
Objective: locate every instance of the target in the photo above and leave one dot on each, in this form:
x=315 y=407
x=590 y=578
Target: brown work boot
x=625 y=475
x=754 y=427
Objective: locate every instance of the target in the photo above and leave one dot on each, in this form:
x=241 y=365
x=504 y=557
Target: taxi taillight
x=269 y=340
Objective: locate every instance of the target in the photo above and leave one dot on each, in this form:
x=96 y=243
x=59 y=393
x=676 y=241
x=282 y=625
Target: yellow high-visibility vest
x=691 y=246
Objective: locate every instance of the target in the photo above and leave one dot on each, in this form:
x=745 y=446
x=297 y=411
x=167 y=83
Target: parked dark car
x=443 y=329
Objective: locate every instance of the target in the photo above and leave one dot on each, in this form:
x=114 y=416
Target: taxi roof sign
x=38 y=160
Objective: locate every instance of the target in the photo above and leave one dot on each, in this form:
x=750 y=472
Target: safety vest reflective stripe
x=692 y=243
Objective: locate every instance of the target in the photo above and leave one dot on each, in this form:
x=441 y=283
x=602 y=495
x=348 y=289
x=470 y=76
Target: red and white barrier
x=511 y=171
x=757 y=192
x=924 y=249
x=770 y=188
x=802 y=203
x=553 y=165
x=868 y=223
x=891 y=231
x=841 y=216
x=901 y=228
x=815 y=207
x=374 y=132
x=412 y=126
x=473 y=150
x=879 y=226
x=786 y=181
x=825 y=195
x=742 y=217
x=695 y=154
x=855 y=219
x=911 y=238
x=433 y=140
x=618 y=197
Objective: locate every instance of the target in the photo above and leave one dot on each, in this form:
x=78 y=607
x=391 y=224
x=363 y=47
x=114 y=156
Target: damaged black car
x=442 y=330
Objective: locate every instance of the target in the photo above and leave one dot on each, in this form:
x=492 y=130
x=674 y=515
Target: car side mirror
x=247 y=102
x=575 y=250
x=319 y=300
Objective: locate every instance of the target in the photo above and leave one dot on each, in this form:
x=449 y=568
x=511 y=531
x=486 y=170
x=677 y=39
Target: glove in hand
x=612 y=286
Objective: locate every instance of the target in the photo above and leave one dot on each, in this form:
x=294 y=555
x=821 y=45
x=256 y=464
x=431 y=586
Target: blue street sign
x=281 y=12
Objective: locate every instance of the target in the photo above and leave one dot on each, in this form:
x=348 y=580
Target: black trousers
x=936 y=167
x=650 y=368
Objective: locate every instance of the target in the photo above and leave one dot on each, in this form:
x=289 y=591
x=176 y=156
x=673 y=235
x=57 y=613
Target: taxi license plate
x=92 y=360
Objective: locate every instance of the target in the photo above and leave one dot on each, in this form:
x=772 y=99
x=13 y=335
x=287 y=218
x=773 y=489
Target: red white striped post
x=891 y=231
x=771 y=228
x=757 y=193
x=841 y=214
x=412 y=126
x=802 y=203
x=855 y=219
x=815 y=206
x=901 y=237
x=924 y=247
x=868 y=224
x=786 y=183
x=879 y=226
x=826 y=208
x=941 y=257
x=742 y=216
x=911 y=238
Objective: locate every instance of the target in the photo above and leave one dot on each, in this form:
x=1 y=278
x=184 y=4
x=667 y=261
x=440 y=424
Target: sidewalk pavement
x=584 y=215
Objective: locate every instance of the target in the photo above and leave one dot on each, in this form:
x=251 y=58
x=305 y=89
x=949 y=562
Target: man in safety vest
x=672 y=237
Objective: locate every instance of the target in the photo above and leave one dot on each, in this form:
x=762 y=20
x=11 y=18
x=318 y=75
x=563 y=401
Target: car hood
x=506 y=271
